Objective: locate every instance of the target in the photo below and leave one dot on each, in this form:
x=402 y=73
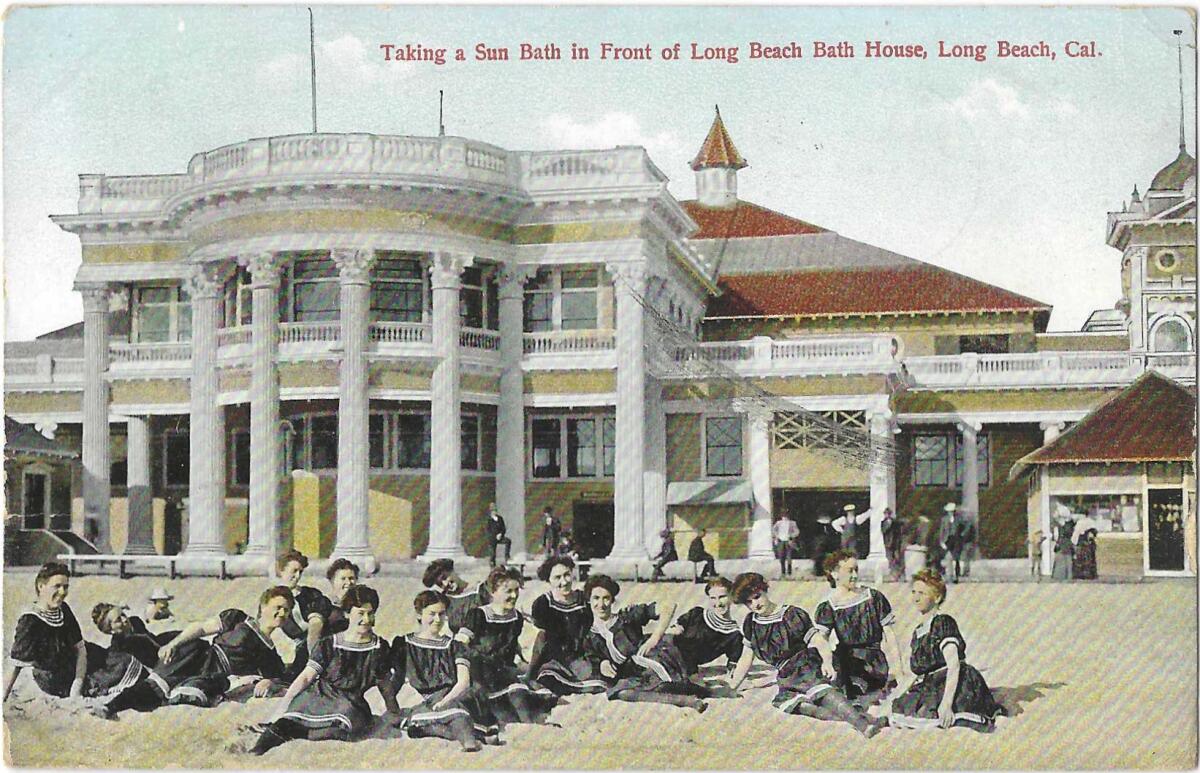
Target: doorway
x=593 y=528
x=806 y=505
x=35 y=499
x=172 y=527
x=1165 y=529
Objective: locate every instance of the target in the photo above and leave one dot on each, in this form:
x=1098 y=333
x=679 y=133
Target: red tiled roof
x=743 y=220
x=718 y=149
x=874 y=290
x=1153 y=419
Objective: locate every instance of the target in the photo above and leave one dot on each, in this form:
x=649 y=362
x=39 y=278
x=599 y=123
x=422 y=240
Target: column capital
x=207 y=280
x=630 y=276
x=445 y=270
x=95 y=297
x=263 y=267
x=354 y=266
x=512 y=278
x=969 y=427
x=881 y=422
x=1054 y=425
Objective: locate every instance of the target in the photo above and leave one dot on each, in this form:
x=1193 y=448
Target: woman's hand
x=945 y=715
x=827 y=670
x=607 y=670
x=166 y=652
x=261 y=688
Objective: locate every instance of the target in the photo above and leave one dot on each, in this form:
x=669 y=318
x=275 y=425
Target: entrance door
x=806 y=505
x=35 y=499
x=593 y=529
x=1165 y=530
x=172 y=528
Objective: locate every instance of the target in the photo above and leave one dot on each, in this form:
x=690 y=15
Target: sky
x=1002 y=169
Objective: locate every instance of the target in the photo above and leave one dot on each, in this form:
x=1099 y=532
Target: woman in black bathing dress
x=564 y=618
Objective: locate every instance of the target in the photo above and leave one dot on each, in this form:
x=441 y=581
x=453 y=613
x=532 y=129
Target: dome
x=1172 y=176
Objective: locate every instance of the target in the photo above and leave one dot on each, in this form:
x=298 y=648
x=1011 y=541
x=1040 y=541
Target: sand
x=1097 y=676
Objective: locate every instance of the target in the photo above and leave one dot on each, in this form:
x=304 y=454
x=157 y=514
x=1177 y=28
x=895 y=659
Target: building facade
x=354 y=343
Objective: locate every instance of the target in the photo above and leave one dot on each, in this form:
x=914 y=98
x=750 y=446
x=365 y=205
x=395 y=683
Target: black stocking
x=836 y=703
x=683 y=701
x=275 y=734
x=143 y=696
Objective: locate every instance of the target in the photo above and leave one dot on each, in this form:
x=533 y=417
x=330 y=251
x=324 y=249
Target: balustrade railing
x=568 y=341
x=309 y=332
x=175 y=351
x=400 y=333
x=232 y=336
x=474 y=338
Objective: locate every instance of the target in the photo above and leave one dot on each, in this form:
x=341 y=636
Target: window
x=539 y=302
x=1171 y=336
x=469 y=448
x=412 y=441
x=239 y=299
x=983 y=344
x=314 y=288
x=1166 y=260
x=581 y=448
x=723 y=446
x=176 y=456
x=610 y=445
x=294 y=443
x=239 y=462
x=160 y=314
x=323 y=442
x=546 y=448
x=479 y=299
x=377 y=440
x=398 y=291
x=931 y=458
x=579 y=299
x=937 y=460
x=562 y=299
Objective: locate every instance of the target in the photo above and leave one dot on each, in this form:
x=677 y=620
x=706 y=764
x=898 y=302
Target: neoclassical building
x=354 y=343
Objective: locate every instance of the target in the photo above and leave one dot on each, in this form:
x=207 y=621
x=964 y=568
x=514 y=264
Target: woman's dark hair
x=548 y=565
x=933 y=580
x=601 y=581
x=280 y=592
x=428 y=598
x=48 y=570
x=100 y=614
x=290 y=556
x=832 y=561
x=437 y=571
x=746 y=585
x=338 y=565
x=359 y=596
x=718 y=582
x=502 y=574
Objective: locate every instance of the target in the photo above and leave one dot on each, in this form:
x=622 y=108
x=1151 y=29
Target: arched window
x=1171 y=335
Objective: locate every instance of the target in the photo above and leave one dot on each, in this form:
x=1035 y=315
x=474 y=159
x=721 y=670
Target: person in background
x=1064 y=549
x=785 y=531
x=666 y=554
x=965 y=538
x=847 y=527
x=893 y=539
x=697 y=554
x=1036 y=540
x=942 y=555
x=551 y=531
x=497 y=535
x=158 y=607
x=1083 y=566
x=825 y=540
x=441 y=577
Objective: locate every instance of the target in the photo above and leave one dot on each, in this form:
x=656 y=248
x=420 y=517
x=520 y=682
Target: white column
x=353 y=483
x=206 y=487
x=1050 y=431
x=445 y=464
x=760 y=542
x=97 y=488
x=882 y=477
x=264 y=406
x=510 y=416
x=970 y=476
x=629 y=284
x=141 y=516
x=654 y=479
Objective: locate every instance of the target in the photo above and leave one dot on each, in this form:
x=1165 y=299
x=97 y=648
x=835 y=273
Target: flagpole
x=312 y=57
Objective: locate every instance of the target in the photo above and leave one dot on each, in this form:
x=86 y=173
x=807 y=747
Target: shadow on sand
x=1014 y=698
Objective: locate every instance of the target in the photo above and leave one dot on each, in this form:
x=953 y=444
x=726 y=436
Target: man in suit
x=947 y=543
x=697 y=554
x=666 y=554
x=551 y=531
x=497 y=535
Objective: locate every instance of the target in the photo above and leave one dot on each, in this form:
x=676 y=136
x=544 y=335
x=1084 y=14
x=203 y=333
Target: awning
x=709 y=492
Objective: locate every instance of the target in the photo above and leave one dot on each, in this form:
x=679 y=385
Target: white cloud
x=346 y=60
x=989 y=99
x=559 y=130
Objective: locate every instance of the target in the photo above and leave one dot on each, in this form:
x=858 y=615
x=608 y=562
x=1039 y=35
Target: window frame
x=558 y=294
x=166 y=465
x=953 y=460
x=178 y=307
x=741 y=438
x=601 y=469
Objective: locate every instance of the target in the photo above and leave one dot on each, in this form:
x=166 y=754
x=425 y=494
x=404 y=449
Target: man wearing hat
x=847 y=527
x=947 y=548
x=158 y=607
x=825 y=540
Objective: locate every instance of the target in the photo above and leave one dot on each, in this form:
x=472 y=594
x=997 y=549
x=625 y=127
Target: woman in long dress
x=1064 y=549
x=703 y=634
x=564 y=618
x=945 y=691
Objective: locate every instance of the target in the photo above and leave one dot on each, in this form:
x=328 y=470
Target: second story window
x=723 y=446
x=478 y=300
x=160 y=314
x=239 y=299
x=562 y=299
x=398 y=288
x=313 y=288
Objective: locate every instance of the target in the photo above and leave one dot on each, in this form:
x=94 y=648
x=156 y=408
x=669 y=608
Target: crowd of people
x=465 y=660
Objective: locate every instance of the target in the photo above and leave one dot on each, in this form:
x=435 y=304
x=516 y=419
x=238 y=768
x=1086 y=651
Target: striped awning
x=709 y=492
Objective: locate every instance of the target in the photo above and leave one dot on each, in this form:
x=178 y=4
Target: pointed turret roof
x=1172 y=176
x=718 y=149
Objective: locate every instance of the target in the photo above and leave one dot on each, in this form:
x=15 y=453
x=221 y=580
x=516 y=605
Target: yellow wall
x=393 y=377
x=571 y=382
x=809 y=385
x=684 y=446
x=726 y=524
x=135 y=253
x=995 y=400
x=809 y=468
x=1185 y=264
x=158 y=391
x=399 y=515
x=42 y=402
x=233 y=380
x=347 y=221
x=236 y=532
x=473 y=382
x=553 y=233
x=308 y=374
x=1095 y=479
x=118 y=523
x=1116 y=342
